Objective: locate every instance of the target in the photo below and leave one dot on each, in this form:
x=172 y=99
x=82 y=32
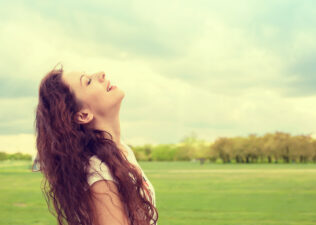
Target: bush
x=3 y=156
x=15 y=156
x=143 y=153
x=163 y=152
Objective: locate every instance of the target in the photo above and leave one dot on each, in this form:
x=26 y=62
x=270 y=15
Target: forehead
x=73 y=78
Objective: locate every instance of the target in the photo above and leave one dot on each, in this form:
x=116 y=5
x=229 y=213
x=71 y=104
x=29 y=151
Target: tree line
x=14 y=156
x=278 y=147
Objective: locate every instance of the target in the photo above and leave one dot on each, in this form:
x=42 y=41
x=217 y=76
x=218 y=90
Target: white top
x=97 y=166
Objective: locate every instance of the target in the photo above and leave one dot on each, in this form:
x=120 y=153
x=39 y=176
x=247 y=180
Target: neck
x=112 y=126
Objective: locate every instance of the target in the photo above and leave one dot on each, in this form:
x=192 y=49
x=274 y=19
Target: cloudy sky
x=216 y=68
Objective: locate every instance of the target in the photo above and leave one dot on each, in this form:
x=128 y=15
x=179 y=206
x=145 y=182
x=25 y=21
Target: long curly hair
x=64 y=149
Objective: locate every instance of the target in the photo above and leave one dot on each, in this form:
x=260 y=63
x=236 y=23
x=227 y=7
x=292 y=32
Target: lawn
x=188 y=193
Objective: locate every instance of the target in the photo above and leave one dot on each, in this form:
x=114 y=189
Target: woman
x=91 y=175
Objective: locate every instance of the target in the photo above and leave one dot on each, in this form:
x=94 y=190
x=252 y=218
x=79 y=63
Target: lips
x=108 y=86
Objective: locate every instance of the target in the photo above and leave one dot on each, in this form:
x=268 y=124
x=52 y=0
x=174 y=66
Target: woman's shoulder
x=98 y=170
x=96 y=164
x=131 y=155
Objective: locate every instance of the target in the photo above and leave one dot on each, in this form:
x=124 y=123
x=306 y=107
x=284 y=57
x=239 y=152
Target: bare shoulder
x=107 y=205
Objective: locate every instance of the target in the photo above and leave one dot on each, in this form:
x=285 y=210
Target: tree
x=164 y=152
x=222 y=147
x=143 y=153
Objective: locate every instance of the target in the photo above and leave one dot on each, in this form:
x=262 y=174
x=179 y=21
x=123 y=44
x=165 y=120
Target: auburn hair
x=64 y=149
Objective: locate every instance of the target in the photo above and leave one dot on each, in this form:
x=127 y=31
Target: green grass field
x=188 y=193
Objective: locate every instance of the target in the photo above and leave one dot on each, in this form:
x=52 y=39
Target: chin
x=120 y=94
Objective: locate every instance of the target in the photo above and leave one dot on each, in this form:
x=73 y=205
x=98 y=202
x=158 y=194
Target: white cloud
x=210 y=67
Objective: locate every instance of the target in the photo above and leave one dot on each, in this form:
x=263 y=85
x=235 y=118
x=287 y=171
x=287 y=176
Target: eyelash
x=89 y=81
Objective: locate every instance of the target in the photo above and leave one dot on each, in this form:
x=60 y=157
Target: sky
x=213 y=68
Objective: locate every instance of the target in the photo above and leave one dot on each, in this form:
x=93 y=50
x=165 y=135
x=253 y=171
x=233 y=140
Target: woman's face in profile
x=92 y=91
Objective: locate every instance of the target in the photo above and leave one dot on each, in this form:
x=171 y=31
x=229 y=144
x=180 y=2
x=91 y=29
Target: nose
x=101 y=76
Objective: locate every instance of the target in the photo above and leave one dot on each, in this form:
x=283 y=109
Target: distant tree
x=304 y=150
x=238 y=148
x=313 y=156
x=15 y=156
x=222 y=147
x=253 y=149
x=164 y=152
x=211 y=154
x=3 y=156
x=186 y=149
x=20 y=156
x=143 y=153
x=282 y=144
x=271 y=147
x=268 y=147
